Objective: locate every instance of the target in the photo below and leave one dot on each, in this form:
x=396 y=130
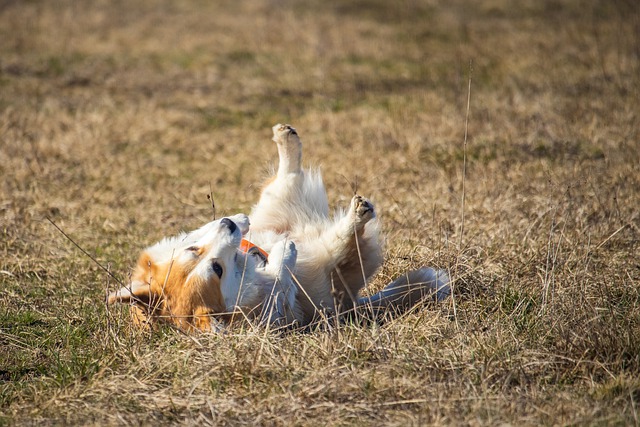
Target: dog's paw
x=283 y=253
x=362 y=210
x=282 y=133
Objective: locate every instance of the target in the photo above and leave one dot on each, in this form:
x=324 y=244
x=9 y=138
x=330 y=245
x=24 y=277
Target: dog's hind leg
x=289 y=150
x=293 y=195
x=356 y=250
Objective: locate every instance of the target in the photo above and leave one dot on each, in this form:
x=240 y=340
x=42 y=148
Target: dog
x=289 y=263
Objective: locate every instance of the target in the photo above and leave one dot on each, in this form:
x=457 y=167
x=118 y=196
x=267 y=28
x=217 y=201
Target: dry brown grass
x=115 y=119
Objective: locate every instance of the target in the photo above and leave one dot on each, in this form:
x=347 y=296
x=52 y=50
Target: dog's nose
x=232 y=225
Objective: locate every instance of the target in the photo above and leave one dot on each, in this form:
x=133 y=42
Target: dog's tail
x=405 y=292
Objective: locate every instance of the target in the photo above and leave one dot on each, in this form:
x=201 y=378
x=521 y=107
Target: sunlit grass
x=116 y=121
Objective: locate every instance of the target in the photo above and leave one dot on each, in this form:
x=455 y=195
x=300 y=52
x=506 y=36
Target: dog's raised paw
x=281 y=133
x=283 y=253
x=362 y=210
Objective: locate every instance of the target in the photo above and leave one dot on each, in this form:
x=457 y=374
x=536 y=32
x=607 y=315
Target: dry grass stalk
x=118 y=120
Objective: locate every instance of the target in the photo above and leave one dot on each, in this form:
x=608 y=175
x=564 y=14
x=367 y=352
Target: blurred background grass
x=118 y=118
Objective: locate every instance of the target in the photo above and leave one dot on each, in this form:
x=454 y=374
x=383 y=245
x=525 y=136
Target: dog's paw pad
x=282 y=132
x=362 y=209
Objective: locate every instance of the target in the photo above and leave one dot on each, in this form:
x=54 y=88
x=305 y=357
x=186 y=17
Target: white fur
x=336 y=256
x=317 y=264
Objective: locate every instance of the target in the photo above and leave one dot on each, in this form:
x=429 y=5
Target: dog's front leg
x=279 y=308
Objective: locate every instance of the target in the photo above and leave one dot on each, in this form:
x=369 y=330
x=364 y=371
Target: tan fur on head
x=175 y=280
x=167 y=291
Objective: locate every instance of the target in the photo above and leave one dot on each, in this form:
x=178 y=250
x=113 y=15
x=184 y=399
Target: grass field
x=118 y=118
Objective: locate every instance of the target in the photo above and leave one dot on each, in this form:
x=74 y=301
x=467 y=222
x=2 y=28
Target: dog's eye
x=217 y=268
x=193 y=249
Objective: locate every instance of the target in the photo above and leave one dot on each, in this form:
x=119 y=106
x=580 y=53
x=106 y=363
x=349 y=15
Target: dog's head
x=188 y=278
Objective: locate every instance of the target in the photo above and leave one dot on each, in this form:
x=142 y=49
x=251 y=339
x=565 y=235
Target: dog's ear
x=242 y=221
x=137 y=291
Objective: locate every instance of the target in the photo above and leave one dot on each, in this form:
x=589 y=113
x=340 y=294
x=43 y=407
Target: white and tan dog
x=289 y=263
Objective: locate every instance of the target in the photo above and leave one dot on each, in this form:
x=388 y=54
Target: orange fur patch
x=173 y=296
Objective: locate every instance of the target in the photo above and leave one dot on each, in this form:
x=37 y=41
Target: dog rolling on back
x=316 y=264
